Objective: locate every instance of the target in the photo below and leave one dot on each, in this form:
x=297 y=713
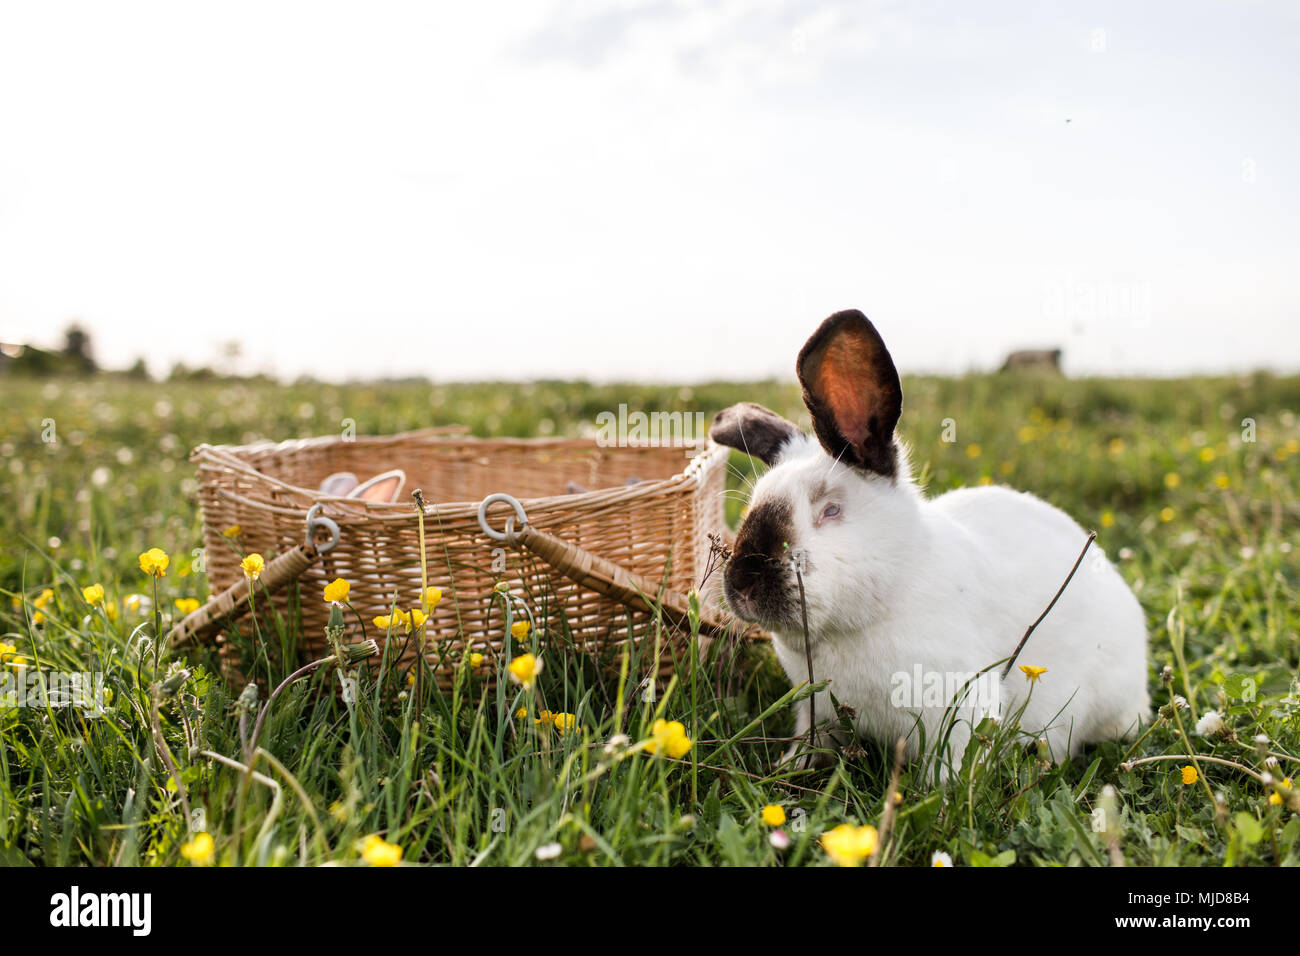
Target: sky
x=651 y=190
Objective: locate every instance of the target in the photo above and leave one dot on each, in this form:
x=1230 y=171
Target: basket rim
x=229 y=458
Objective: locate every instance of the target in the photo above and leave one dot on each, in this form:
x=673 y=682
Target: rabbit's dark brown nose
x=756 y=573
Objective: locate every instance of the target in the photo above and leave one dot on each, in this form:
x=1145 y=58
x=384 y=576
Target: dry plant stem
x=1137 y=743
x=1092 y=536
x=251 y=744
x=1219 y=760
x=807 y=653
x=251 y=774
x=1178 y=721
x=167 y=760
x=293 y=783
x=418 y=495
x=1113 y=849
x=891 y=807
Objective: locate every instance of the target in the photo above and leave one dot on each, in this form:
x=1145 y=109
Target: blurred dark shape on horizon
x=77 y=351
x=76 y=358
x=1033 y=360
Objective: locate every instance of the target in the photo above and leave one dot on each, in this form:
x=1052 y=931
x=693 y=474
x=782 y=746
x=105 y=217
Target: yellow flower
x=201 y=850
x=849 y=845
x=234 y=531
x=398 y=619
x=564 y=722
x=773 y=815
x=973 y=451
x=524 y=669
x=1189 y=775
x=432 y=596
x=378 y=853
x=187 y=605
x=519 y=630
x=1275 y=798
x=415 y=618
x=522 y=713
x=7 y=650
x=336 y=592
x=1032 y=673
x=476 y=659
x=1166 y=514
x=1027 y=434
x=44 y=598
x=1172 y=480
x=671 y=736
x=94 y=594
x=1108 y=519
x=1207 y=454
x=1116 y=446
x=1221 y=480
x=252 y=565
x=38 y=617
x=110 y=611
x=154 y=562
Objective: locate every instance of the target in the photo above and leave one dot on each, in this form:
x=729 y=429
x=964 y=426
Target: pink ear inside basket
x=657 y=527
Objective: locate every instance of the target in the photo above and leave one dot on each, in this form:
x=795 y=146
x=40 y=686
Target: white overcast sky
x=651 y=190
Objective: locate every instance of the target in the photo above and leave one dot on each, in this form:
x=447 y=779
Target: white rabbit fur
x=895 y=581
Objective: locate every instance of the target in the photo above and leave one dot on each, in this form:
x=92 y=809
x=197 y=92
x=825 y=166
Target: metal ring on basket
x=510 y=533
x=317 y=521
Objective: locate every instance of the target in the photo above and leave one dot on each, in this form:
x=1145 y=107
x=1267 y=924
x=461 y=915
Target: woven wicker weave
x=657 y=529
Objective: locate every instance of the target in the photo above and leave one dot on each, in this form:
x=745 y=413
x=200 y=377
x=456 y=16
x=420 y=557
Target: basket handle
x=598 y=574
x=288 y=567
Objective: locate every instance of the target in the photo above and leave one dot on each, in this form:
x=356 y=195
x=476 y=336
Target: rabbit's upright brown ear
x=851 y=388
x=753 y=429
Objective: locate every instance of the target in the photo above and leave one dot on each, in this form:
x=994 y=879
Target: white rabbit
x=907 y=596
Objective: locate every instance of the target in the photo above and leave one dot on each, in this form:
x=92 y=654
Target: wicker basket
x=652 y=534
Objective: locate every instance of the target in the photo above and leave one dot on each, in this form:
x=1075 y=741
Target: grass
x=1197 y=509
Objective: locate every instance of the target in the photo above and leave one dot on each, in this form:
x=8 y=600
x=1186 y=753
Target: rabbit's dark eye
x=832 y=510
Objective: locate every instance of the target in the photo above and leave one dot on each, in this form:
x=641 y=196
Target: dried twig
x=1092 y=536
x=891 y=801
x=807 y=653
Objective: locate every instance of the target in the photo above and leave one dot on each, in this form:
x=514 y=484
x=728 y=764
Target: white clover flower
x=548 y=851
x=1211 y=723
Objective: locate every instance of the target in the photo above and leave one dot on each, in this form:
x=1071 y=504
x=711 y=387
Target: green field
x=1198 y=509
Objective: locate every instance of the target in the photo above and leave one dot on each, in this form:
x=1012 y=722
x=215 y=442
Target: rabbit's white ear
x=753 y=429
x=851 y=388
x=339 y=483
x=382 y=488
